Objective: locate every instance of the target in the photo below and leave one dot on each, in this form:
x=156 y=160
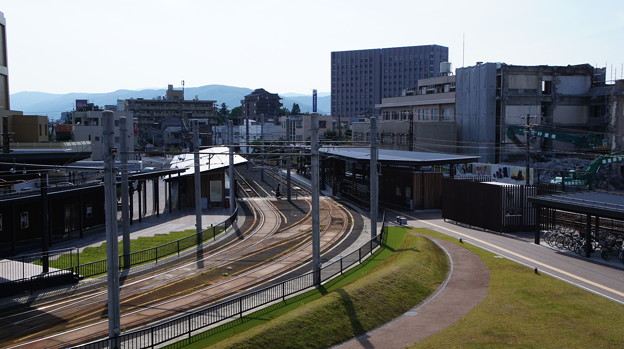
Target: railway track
x=266 y=252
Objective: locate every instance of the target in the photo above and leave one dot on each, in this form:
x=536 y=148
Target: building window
x=24 y=220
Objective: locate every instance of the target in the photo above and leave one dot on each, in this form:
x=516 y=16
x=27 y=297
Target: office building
x=422 y=120
x=361 y=78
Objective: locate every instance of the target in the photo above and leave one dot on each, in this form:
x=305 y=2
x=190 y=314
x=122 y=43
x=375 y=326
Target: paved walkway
x=466 y=286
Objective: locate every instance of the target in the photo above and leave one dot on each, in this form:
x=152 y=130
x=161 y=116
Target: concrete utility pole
x=197 y=179
x=374 y=186
x=125 y=207
x=112 y=254
x=231 y=168
x=316 y=225
x=527 y=133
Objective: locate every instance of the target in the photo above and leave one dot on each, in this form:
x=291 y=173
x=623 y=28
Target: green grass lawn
x=528 y=310
x=93 y=254
x=395 y=279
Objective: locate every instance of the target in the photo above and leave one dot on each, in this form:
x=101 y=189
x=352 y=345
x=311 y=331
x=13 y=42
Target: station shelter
x=213 y=166
x=597 y=217
x=407 y=180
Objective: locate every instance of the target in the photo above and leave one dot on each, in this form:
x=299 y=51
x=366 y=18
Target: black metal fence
x=33 y=272
x=198 y=321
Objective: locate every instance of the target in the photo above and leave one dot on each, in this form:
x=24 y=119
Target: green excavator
x=587 y=175
x=590 y=141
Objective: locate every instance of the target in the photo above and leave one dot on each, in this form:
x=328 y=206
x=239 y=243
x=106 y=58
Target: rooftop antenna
x=182 y=86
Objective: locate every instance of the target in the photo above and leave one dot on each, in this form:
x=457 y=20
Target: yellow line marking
x=621 y=294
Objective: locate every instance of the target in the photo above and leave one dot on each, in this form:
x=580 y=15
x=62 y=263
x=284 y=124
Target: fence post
x=283 y=291
x=189 y=326
x=152 y=336
x=360 y=255
x=341 y=265
x=178 y=247
x=240 y=306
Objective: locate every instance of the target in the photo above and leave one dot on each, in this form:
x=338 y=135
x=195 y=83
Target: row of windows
x=423 y=114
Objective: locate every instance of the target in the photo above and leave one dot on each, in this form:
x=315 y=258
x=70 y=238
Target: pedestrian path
x=465 y=287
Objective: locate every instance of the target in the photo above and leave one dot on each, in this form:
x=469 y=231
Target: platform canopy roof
x=601 y=204
x=399 y=157
x=210 y=159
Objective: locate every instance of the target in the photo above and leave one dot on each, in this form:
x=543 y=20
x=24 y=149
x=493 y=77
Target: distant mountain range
x=52 y=105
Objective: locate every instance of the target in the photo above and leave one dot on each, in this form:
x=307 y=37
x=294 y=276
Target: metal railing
x=188 y=325
x=65 y=268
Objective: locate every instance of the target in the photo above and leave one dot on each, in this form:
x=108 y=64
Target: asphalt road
x=595 y=275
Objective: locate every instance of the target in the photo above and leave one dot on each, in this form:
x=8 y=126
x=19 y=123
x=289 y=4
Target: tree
x=236 y=114
x=223 y=113
x=295 y=109
x=284 y=111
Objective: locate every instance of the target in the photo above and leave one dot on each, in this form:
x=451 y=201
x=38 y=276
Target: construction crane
x=588 y=174
x=590 y=141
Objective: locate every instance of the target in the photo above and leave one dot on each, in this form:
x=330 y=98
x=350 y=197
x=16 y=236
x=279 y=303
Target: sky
x=284 y=46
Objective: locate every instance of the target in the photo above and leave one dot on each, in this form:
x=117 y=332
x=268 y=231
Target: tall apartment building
x=261 y=103
x=4 y=70
x=154 y=115
x=361 y=78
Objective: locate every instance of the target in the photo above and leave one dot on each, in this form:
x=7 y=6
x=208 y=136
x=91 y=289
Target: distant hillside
x=53 y=105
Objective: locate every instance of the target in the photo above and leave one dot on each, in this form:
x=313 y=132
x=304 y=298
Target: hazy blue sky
x=284 y=46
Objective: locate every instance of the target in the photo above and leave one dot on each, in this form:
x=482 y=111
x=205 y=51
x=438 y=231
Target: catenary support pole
x=262 y=147
x=374 y=187
x=231 y=167
x=197 y=182
x=316 y=236
x=125 y=206
x=247 y=149
x=45 y=222
x=288 y=163
x=112 y=255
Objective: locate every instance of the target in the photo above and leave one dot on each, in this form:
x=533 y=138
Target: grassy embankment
x=522 y=310
x=396 y=278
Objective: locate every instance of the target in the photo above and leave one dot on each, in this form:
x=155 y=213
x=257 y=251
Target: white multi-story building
x=87 y=126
